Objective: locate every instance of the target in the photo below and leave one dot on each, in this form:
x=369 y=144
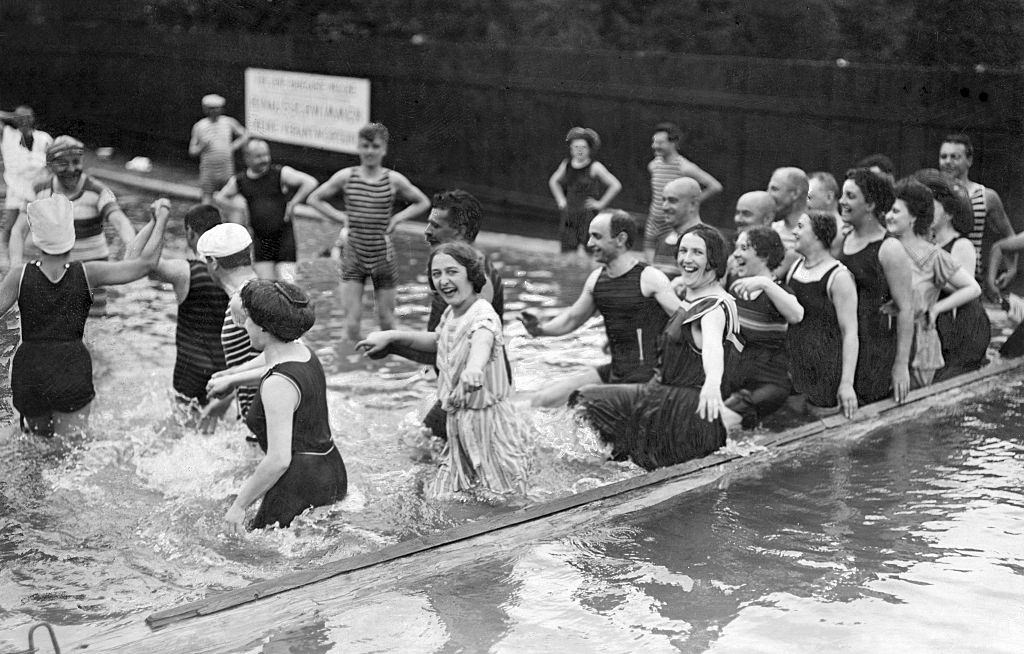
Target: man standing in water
x=682 y=211
x=266 y=188
x=956 y=155
x=201 y=307
x=226 y=250
x=635 y=300
x=23 y=148
x=214 y=140
x=367 y=223
x=94 y=205
x=753 y=209
x=667 y=165
x=788 y=188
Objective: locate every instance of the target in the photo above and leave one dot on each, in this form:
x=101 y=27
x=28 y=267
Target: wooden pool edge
x=963 y=387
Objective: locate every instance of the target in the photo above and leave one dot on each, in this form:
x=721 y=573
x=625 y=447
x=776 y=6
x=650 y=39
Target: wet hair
x=671 y=130
x=823 y=225
x=876 y=189
x=920 y=203
x=881 y=161
x=281 y=308
x=951 y=196
x=715 y=245
x=827 y=179
x=963 y=140
x=468 y=257
x=373 y=131
x=621 y=222
x=464 y=211
x=767 y=245
x=587 y=134
x=202 y=217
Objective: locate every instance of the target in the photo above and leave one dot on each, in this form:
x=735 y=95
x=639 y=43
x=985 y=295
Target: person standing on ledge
x=367 y=223
x=24 y=153
x=271 y=192
x=215 y=140
x=667 y=165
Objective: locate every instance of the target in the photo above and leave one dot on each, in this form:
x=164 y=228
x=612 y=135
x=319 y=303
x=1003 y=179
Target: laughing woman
x=677 y=416
x=487 y=446
x=302 y=467
x=910 y=220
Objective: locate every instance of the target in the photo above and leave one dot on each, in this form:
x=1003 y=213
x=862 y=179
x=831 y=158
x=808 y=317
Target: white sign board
x=321 y=111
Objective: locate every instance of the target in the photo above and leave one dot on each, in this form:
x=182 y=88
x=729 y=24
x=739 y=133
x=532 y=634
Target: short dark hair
x=281 y=308
x=468 y=257
x=823 y=225
x=714 y=242
x=236 y=260
x=373 y=131
x=621 y=221
x=767 y=245
x=201 y=217
x=671 y=130
x=876 y=189
x=920 y=203
x=464 y=211
x=952 y=198
x=883 y=163
x=963 y=140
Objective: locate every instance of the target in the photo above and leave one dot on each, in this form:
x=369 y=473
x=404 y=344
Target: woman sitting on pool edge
x=487 y=446
x=302 y=467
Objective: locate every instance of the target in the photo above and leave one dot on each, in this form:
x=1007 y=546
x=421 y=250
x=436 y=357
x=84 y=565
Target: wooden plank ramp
x=240 y=620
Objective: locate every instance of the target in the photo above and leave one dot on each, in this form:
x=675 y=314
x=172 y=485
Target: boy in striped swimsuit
x=367 y=223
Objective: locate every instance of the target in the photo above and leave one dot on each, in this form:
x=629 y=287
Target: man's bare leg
x=386 y=307
x=557 y=393
x=352 y=303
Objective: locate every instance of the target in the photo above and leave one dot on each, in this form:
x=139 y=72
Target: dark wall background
x=492 y=120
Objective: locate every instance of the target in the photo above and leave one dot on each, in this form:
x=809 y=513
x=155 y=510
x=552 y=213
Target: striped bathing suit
x=238 y=350
x=200 y=320
x=979 y=208
x=663 y=171
x=369 y=252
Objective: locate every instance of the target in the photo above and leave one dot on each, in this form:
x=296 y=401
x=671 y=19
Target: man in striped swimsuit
x=367 y=223
x=215 y=139
x=94 y=205
x=956 y=154
x=202 y=304
x=635 y=300
x=667 y=165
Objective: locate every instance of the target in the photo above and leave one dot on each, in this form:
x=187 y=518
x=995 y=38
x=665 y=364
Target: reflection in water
x=909 y=540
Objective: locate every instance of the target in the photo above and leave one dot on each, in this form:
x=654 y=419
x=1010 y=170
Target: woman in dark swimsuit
x=302 y=467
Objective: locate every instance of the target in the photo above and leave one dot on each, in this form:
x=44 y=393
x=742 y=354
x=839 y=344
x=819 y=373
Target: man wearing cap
x=271 y=192
x=94 y=205
x=23 y=148
x=226 y=250
x=51 y=375
x=215 y=140
x=202 y=304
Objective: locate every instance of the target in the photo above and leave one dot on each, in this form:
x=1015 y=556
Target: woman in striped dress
x=487 y=445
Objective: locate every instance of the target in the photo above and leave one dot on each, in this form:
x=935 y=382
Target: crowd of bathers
x=827 y=298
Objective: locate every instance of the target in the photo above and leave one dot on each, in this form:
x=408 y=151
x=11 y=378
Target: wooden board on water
x=229 y=621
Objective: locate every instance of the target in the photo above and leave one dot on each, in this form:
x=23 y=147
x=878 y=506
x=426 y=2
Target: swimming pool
x=861 y=543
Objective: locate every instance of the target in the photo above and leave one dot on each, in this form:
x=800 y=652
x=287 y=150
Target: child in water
x=487 y=445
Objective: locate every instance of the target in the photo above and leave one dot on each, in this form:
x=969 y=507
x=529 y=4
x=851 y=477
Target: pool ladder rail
x=32 y=643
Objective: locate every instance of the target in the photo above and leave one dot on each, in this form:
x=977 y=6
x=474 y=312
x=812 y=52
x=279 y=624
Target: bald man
x=681 y=206
x=754 y=209
x=788 y=188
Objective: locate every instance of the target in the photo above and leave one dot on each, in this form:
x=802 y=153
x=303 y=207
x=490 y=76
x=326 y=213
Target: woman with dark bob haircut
x=677 y=416
x=882 y=272
x=302 y=467
x=934 y=269
x=488 y=450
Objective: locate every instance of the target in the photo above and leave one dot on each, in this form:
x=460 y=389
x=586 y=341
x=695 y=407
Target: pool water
x=911 y=537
